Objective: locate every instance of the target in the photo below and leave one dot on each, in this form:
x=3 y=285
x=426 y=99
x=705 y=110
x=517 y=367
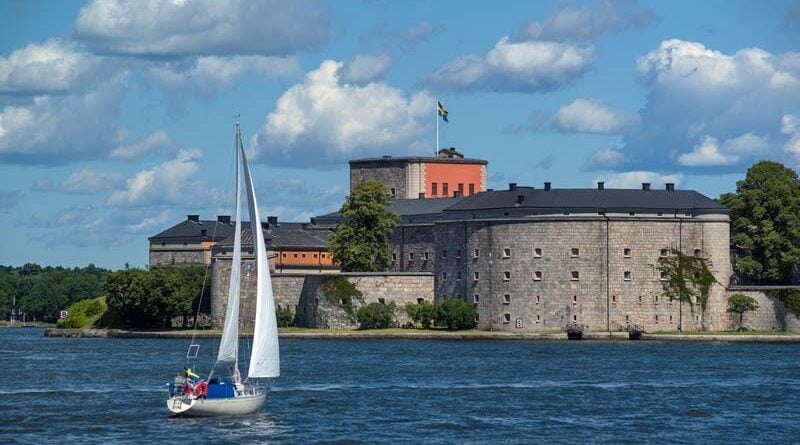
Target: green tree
x=376 y=315
x=741 y=303
x=455 y=314
x=765 y=223
x=361 y=240
x=422 y=313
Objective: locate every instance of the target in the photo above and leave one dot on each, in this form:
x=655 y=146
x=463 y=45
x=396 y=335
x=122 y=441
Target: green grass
x=84 y=313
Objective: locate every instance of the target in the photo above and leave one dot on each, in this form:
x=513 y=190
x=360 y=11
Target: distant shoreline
x=412 y=334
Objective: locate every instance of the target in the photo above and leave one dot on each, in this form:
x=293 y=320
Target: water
x=393 y=391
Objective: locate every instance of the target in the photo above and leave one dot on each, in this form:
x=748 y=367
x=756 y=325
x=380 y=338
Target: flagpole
x=437 y=129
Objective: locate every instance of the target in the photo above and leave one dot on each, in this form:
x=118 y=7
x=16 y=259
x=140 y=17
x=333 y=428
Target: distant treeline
x=40 y=292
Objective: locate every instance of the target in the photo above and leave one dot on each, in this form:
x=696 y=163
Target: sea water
x=74 y=391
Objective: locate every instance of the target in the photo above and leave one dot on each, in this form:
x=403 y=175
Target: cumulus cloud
x=52 y=67
x=206 y=75
x=364 y=68
x=158 y=142
x=711 y=110
x=57 y=129
x=168 y=183
x=525 y=66
x=153 y=223
x=167 y=28
x=595 y=20
x=634 y=179
x=323 y=121
x=591 y=116
x=604 y=158
x=89 y=181
x=790 y=126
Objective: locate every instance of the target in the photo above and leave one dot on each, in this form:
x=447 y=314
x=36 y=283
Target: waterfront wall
x=771 y=315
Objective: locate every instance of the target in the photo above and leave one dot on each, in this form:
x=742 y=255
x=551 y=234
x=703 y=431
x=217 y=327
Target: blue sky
x=116 y=119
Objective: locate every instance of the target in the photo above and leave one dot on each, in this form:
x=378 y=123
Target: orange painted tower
x=448 y=174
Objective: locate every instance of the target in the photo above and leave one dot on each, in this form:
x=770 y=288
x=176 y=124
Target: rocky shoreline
x=427 y=335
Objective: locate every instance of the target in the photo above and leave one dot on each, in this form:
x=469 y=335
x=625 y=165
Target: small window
x=664 y=252
x=425 y=256
x=444 y=253
x=640 y=299
x=574 y=299
x=476 y=253
x=507 y=299
x=656 y=318
x=283 y=255
x=506 y=275
x=458 y=253
x=663 y=276
x=660 y=213
x=698 y=252
x=410 y=256
x=627 y=318
x=476 y=298
x=303 y=255
x=537 y=275
x=506 y=252
x=670 y=319
x=626 y=252
x=434 y=189
x=575 y=275
x=632 y=213
x=476 y=276
x=444 y=188
x=537 y=252
x=613 y=298
x=420 y=300
x=575 y=318
x=444 y=276
x=382 y=300
x=472 y=189
x=323 y=255
x=295 y=255
x=655 y=299
x=506 y=318
x=343 y=301
x=315 y=255
x=574 y=252
x=394 y=256
x=626 y=275
x=477 y=318
x=461 y=188
x=392 y=191
x=163 y=244
x=458 y=276
x=538 y=299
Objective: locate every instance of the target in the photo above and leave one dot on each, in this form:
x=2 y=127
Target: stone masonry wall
x=416 y=240
x=771 y=315
x=177 y=257
x=392 y=175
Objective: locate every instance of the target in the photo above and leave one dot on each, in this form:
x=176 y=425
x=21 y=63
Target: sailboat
x=224 y=392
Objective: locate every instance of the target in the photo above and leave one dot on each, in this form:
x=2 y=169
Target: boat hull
x=231 y=406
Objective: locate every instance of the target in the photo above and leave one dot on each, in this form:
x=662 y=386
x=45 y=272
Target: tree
x=376 y=315
x=765 y=223
x=361 y=240
x=741 y=303
x=455 y=314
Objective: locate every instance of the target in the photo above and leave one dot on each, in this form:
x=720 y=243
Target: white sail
x=265 y=356
x=229 y=344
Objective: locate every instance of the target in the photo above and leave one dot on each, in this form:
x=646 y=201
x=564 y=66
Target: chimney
x=670 y=186
x=456 y=194
x=547 y=186
x=512 y=186
x=421 y=195
x=601 y=185
x=387 y=157
x=224 y=219
x=193 y=218
x=646 y=186
x=520 y=199
x=272 y=221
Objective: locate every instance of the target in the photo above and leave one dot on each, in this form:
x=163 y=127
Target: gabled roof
x=214 y=231
x=590 y=200
x=409 y=210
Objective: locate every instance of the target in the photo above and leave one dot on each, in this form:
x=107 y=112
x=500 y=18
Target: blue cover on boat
x=220 y=390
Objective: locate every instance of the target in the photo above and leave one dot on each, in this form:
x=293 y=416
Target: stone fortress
x=530 y=259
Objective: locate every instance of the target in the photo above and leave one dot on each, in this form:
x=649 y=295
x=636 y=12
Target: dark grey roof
x=609 y=200
x=409 y=210
x=214 y=231
x=393 y=159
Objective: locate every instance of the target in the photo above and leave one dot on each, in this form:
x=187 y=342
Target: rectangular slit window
x=476 y=276
x=537 y=253
x=507 y=299
x=444 y=188
x=434 y=189
x=575 y=275
x=664 y=252
x=506 y=318
x=476 y=253
x=626 y=252
x=626 y=275
x=538 y=318
x=537 y=276
x=538 y=299
x=476 y=298
x=410 y=256
x=506 y=275
x=574 y=299
x=506 y=252
x=574 y=252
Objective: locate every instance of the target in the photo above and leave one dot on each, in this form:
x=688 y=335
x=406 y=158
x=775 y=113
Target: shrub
x=376 y=316
x=83 y=313
x=455 y=314
x=285 y=317
x=422 y=313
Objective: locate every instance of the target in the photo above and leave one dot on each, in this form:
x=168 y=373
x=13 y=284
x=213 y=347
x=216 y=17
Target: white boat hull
x=191 y=406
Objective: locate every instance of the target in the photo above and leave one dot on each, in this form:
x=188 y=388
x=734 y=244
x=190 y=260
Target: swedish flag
x=442 y=111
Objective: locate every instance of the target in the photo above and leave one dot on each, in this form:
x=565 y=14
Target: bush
x=83 y=313
x=455 y=314
x=285 y=317
x=376 y=316
x=422 y=314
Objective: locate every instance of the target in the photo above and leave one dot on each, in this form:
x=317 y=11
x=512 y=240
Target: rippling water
x=357 y=391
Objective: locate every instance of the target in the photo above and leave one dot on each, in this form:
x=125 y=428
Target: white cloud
x=202 y=27
x=54 y=129
x=294 y=199
x=52 y=67
x=790 y=126
x=525 y=66
x=322 y=121
x=696 y=93
x=152 y=224
x=364 y=68
x=168 y=183
x=634 y=179
x=604 y=158
x=591 y=116
x=206 y=75
x=158 y=142
x=595 y=20
x=89 y=181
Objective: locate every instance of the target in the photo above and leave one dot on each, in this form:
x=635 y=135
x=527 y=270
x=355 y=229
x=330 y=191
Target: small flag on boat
x=191 y=374
x=442 y=111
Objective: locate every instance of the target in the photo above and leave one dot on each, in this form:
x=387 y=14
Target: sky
x=117 y=118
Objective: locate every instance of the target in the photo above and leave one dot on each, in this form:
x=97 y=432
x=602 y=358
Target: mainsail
x=227 y=356
x=265 y=356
